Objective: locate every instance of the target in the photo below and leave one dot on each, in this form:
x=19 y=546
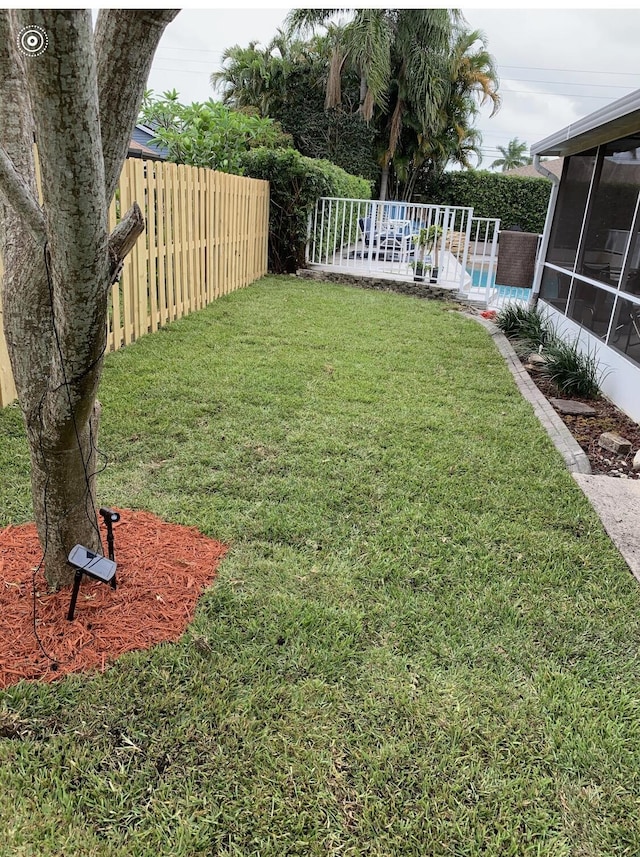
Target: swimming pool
x=479 y=278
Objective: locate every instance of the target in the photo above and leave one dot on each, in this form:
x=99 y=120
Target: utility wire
x=569 y=83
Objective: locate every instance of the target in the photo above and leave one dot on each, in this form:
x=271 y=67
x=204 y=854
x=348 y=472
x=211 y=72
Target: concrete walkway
x=616 y=501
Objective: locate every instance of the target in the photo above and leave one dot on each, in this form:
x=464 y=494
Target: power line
x=202 y=62
x=516 y=91
x=591 y=71
x=570 y=83
x=573 y=70
x=181 y=70
x=563 y=94
x=190 y=50
x=500 y=65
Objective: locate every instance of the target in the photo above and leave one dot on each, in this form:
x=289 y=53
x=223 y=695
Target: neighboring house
x=137 y=150
x=589 y=272
x=554 y=165
x=144 y=135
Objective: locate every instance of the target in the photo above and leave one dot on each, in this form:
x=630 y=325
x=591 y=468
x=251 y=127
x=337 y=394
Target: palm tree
x=513 y=155
x=402 y=58
x=250 y=77
x=418 y=103
x=474 y=82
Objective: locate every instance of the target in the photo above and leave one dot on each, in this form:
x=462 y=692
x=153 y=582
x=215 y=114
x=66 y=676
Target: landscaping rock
x=614 y=442
x=569 y=406
x=535 y=362
x=636 y=461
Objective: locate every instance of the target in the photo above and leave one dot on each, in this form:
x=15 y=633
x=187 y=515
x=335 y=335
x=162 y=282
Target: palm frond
x=305 y=21
x=368 y=40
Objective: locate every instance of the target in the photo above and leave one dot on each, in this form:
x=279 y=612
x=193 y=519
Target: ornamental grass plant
x=525 y=324
x=572 y=370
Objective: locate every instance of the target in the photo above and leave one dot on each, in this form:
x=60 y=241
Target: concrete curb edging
x=572 y=453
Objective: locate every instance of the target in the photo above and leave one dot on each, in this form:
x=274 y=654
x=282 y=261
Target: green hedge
x=516 y=200
x=296 y=183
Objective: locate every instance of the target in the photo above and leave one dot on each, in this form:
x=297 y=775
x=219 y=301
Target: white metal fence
x=382 y=239
x=482 y=260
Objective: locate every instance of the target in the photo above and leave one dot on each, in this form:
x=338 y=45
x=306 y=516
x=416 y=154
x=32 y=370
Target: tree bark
x=64 y=495
x=81 y=98
x=125 y=43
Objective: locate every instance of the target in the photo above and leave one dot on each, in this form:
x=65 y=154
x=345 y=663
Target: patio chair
x=398 y=240
x=395 y=240
x=367 y=233
x=631 y=326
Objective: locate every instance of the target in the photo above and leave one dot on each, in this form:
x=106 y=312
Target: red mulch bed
x=162 y=571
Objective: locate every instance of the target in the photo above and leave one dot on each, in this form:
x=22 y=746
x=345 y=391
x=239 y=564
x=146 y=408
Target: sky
x=555 y=65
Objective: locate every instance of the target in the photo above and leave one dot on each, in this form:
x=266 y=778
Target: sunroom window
x=610 y=211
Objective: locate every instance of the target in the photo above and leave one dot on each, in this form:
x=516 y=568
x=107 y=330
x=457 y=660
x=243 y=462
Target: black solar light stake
x=93 y=565
x=110 y=518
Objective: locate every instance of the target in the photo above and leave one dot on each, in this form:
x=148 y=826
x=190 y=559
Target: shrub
x=572 y=371
x=516 y=200
x=527 y=324
x=209 y=135
x=296 y=184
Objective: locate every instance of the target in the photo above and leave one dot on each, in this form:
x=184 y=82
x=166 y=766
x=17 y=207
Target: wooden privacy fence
x=206 y=235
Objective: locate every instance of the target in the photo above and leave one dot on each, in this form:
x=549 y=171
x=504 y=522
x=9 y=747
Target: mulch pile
x=162 y=571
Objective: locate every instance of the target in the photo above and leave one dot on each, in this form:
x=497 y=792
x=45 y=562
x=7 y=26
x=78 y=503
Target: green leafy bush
x=516 y=200
x=296 y=184
x=208 y=135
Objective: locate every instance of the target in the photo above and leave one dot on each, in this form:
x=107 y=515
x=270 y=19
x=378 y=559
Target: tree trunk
x=80 y=96
x=56 y=390
x=384 y=181
x=63 y=485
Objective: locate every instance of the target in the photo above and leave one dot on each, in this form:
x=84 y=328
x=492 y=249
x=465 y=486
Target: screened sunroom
x=589 y=274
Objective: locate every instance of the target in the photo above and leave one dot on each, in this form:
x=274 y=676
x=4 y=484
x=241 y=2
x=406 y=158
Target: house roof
x=138 y=150
x=145 y=136
x=148 y=128
x=616 y=120
x=554 y=165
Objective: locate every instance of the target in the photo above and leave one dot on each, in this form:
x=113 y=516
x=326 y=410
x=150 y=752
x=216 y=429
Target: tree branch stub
x=123 y=239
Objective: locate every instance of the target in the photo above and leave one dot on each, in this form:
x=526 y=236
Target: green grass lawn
x=420 y=643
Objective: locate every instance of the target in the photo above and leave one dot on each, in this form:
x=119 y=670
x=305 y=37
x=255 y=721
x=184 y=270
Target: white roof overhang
x=618 y=119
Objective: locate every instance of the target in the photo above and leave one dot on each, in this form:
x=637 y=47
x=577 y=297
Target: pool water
x=480 y=280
